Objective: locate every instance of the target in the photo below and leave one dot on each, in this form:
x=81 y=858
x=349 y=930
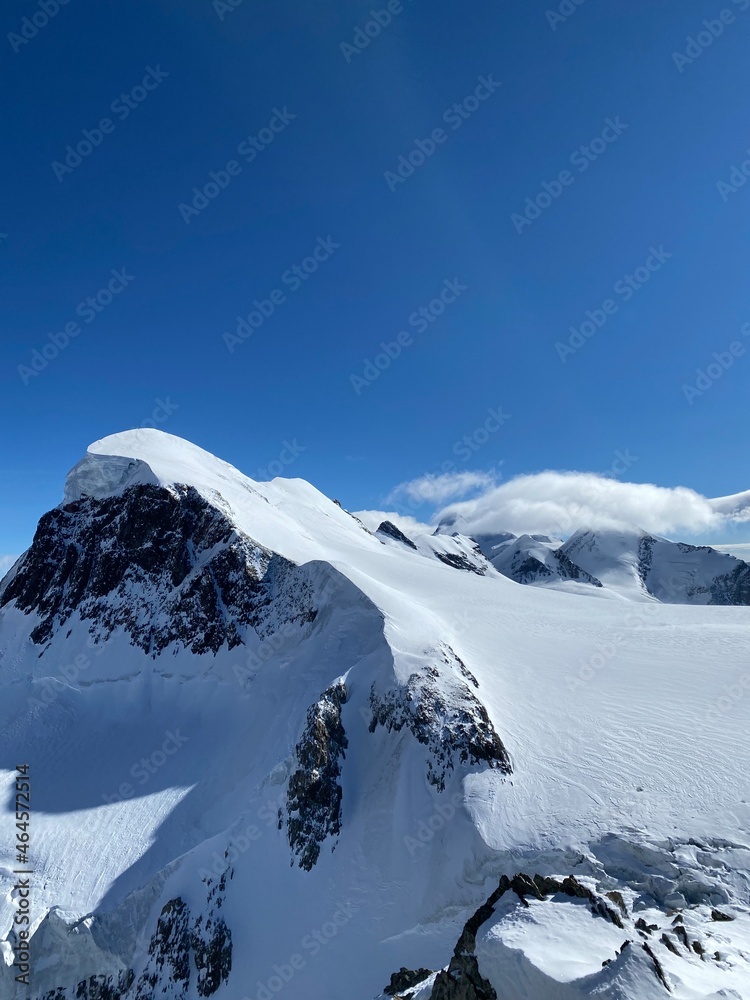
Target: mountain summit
x=274 y=753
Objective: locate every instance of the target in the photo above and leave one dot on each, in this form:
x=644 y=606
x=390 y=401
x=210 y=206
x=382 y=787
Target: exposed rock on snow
x=531 y=559
x=389 y=528
x=184 y=949
x=404 y=980
x=96 y=988
x=673 y=572
x=446 y=717
x=163 y=564
x=314 y=795
x=186 y=955
x=458 y=560
x=517 y=943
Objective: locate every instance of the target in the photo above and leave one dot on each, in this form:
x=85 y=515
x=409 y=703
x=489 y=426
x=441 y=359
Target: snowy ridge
x=313 y=753
x=635 y=562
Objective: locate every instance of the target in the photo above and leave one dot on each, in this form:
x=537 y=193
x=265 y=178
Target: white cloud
x=559 y=502
x=434 y=489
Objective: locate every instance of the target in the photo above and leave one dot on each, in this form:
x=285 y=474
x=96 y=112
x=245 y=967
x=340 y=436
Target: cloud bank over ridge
x=554 y=502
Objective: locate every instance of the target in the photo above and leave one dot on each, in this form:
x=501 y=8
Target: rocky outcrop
x=570 y=886
x=314 y=793
x=528 y=569
x=96 y=988
x=644 y=955
x=462 y=979
x=444 y=715
x=184 y=950
x=389 y=529
x=570 y=571
x=532 y=559
x=169 y=953
x=405 y=979
x=161 y=563
x=211 y=941
x=458 y=560
x=732 y=588
x=729 y=588
x=186 y=954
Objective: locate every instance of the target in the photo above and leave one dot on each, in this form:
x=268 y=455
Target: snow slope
x=327 y=783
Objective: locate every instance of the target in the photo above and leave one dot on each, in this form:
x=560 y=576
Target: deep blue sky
x=323 y=176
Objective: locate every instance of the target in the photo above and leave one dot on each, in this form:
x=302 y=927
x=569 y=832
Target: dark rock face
x=169 y=953
x=456 y=729
x=183 y=953
x=462 y=979
x=163 y=564
x=182 y=947
x=658 y=968
x=460 y=561
x=211 y=941
x=390 y=529
x=96 y=988
x=732 y=588
x=314 y=793
x=570 y=886
x=569 y=570
x=525 y=567
x=405 y=979
x=529 y=570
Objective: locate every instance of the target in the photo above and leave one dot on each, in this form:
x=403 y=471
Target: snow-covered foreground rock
x=276 y=754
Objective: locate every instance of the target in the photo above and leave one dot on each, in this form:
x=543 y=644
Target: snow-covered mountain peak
x=144 y=455
x=633 y=562
x=289 y=746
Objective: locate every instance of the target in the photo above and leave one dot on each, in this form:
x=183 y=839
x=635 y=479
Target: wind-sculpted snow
x=100 y=476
